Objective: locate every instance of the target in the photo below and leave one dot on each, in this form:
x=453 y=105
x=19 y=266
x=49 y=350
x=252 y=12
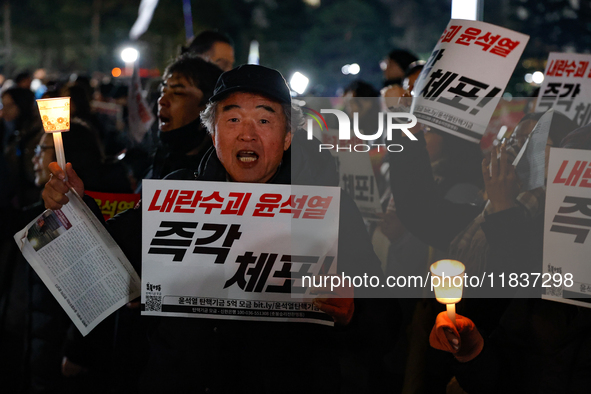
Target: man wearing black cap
x=249 y=117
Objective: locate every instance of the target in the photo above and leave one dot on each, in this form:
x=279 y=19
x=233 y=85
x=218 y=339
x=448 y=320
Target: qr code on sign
x=554 y=292
x=154 y=303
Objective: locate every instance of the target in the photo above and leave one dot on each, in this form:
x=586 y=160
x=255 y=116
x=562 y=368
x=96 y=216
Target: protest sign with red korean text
x=567 y=86
x=113 y=203
x=465 y=76
x=567 y=224
x=230 y=250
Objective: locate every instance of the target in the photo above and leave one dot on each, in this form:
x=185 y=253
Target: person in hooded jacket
x=188 y=84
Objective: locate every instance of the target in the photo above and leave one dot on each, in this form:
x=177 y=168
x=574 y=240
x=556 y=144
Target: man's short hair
x=294 y=117
x=24 y=75
x=199 y=72
x=402 y=57
x=202 y=43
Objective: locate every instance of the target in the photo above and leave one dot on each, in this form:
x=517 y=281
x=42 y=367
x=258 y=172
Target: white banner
x=567 y=221
x=229 y=250
x=140 y=116
x=465 y=76
x=144 y=17
x=567 y=86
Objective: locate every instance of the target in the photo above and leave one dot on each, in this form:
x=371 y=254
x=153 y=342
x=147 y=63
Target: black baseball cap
x=252 y=78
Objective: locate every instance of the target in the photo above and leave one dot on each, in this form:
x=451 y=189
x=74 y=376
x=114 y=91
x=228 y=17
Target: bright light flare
x=129 y=55
x=299 y=82
x=538 y=77
x=528 y=77
x=354 y=69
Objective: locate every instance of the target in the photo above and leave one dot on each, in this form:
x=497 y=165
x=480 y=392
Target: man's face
x=409 y=83
x=179 y=103
x=222 y=55
x=391 y=69
x=250 y=136
x=10 y=110
x=44 y=154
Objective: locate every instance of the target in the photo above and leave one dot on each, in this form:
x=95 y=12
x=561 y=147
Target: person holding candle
x=539 y=345
x=45 y=333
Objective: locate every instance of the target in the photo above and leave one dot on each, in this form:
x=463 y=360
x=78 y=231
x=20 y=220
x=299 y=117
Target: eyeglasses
x=41 y=148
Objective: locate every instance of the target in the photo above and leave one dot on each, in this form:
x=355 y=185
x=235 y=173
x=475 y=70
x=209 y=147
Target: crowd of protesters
x=443 y=198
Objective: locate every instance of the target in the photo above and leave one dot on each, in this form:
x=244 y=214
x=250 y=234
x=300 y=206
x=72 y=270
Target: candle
x=450 y=284
x=55 y=114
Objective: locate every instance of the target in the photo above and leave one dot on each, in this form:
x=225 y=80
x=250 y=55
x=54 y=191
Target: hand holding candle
x=459 y=337
x=462 y=339
x=55 y=114
x=450 y=284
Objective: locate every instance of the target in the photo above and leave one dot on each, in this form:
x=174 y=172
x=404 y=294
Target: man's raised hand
x=54 y=192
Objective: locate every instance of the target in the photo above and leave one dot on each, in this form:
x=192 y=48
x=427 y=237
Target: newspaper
x=79 y=262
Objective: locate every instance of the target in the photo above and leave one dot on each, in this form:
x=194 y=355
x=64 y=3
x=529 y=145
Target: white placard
x=459 y=87
x=356 y=175
x=567 y=221
x=357 y=178
x=228 y=250
x=567 y=86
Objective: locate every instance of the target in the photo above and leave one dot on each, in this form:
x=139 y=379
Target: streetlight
x=354 y=69
x=299 y=82
x=129 y=55
x=538 y=77
x=466 y=9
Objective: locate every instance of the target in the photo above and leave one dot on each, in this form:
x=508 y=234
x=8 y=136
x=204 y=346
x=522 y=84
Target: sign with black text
x=464 y=78
x=567 y=86
x=567 y=223
x=230 y=250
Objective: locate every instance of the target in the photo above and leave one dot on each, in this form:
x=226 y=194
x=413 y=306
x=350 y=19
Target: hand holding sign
x=341 y=307
x=500 y=180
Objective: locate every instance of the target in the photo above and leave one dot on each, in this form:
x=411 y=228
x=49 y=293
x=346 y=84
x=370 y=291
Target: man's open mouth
x=247 y=156
x=164 y=119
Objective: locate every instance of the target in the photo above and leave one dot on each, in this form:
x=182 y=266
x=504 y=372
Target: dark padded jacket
x=211 y=355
